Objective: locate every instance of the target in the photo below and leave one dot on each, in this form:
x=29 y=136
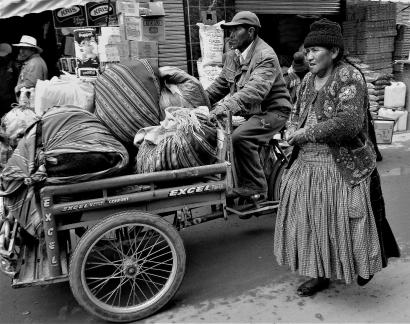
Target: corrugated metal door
x=173 y=50
x=330 y=7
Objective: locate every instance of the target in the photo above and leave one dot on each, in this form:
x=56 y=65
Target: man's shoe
x=251 y=194
x=312 y=286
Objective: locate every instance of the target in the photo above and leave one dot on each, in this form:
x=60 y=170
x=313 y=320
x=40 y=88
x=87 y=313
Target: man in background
x=34 y=68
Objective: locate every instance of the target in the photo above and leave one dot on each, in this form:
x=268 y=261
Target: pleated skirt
x=324 y=227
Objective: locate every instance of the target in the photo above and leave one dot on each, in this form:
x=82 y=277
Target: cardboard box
x=132 y=8
x=130 y=27
x=143 y=49
x=156 y=9
x=139 y=9
x=110 y=35
x=74 y=16
x=153 y=29
x=109 y=52
x=97 y=14
x=384 y=130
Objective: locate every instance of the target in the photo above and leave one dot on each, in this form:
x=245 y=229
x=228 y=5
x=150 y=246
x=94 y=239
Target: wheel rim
x=129 y=268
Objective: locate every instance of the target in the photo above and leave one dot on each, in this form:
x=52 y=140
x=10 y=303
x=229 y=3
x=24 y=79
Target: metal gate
x=173 y=50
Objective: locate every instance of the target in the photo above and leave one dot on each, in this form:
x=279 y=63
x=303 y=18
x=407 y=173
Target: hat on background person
x=243 y=18
x=5 y=49
x=28 y=41
x=325 y=33
x=299 y=63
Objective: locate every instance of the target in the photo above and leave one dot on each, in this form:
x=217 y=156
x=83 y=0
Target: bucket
x=383 y=128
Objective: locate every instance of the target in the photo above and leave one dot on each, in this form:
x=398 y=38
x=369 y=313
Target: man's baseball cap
x=243 y=18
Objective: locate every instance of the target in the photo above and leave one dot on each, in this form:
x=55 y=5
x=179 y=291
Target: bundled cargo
x=66 y=90
x=13 y=126
x=186 y=138
x=179 y=89
x=127 y=99
x=67 y=145
x=207 y=73
x=16 y=121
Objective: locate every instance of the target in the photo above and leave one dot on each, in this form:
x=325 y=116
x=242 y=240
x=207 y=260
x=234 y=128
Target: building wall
x=225 y=10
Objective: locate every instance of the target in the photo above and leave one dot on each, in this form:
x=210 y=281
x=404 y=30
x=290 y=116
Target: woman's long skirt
x=324 y=227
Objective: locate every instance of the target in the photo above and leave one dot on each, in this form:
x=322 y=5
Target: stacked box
x=402 y=13
x=109 y=45
x=402 y=42
x=369 y=34
x=142 y=26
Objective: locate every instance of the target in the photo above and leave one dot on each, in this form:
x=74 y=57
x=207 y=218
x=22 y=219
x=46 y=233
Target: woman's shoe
x=362 y=281
x=312 y=286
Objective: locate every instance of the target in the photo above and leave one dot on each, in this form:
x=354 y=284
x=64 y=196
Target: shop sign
x=97 y=14
x=70 y=17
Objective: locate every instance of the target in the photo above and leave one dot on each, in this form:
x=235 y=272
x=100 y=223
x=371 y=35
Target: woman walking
x=325 y=226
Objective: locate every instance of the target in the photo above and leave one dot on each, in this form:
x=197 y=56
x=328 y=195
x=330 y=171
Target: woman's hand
x=298 y=137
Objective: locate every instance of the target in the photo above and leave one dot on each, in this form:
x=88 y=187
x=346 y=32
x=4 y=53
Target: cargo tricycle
x=116 y=240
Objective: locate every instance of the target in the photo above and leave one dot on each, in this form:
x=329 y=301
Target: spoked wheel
x=275 y=180
x=127 y=267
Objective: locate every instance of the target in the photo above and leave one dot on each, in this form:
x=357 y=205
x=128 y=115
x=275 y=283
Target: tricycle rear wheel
x=128 y=266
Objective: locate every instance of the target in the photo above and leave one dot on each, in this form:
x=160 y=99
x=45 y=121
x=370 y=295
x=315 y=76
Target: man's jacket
x=253 y=87
x=33 y=69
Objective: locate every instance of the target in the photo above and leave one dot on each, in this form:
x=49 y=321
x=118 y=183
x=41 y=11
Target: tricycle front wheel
x=127 y=267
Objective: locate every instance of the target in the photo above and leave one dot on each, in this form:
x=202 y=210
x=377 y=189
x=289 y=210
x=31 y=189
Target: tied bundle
x=185 y=138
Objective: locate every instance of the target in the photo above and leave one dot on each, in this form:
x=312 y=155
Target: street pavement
x=232 y=276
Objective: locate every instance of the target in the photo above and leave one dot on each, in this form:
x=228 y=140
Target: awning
x=11 y=8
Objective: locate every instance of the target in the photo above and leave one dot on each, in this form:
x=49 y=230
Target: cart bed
x=34 y=269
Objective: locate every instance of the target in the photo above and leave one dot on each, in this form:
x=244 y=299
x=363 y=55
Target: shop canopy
x=10 y=8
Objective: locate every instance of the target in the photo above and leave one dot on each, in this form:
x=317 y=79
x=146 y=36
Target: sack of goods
x=186 y=138
x=66 y=90
x=16 y=121
x=179 y=89
x=67 y=145
x=127 y=99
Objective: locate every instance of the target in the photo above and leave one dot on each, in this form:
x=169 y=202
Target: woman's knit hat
x=326 y=33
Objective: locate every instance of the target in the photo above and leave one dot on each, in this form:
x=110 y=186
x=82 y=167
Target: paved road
x=232 y=277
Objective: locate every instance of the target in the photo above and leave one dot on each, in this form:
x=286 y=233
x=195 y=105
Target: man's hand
x=298 y=137
x=219 y=112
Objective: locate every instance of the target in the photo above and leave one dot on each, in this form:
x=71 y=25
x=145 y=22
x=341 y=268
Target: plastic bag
x=26 y=97
x=67 y=90
x=207 y=73
x=211 y=39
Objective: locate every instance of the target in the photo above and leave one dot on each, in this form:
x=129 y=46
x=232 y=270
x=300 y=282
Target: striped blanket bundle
x=185 y=138
x=127 y=99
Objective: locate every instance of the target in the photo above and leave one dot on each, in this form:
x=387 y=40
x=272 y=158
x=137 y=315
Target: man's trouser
x=247 y=139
